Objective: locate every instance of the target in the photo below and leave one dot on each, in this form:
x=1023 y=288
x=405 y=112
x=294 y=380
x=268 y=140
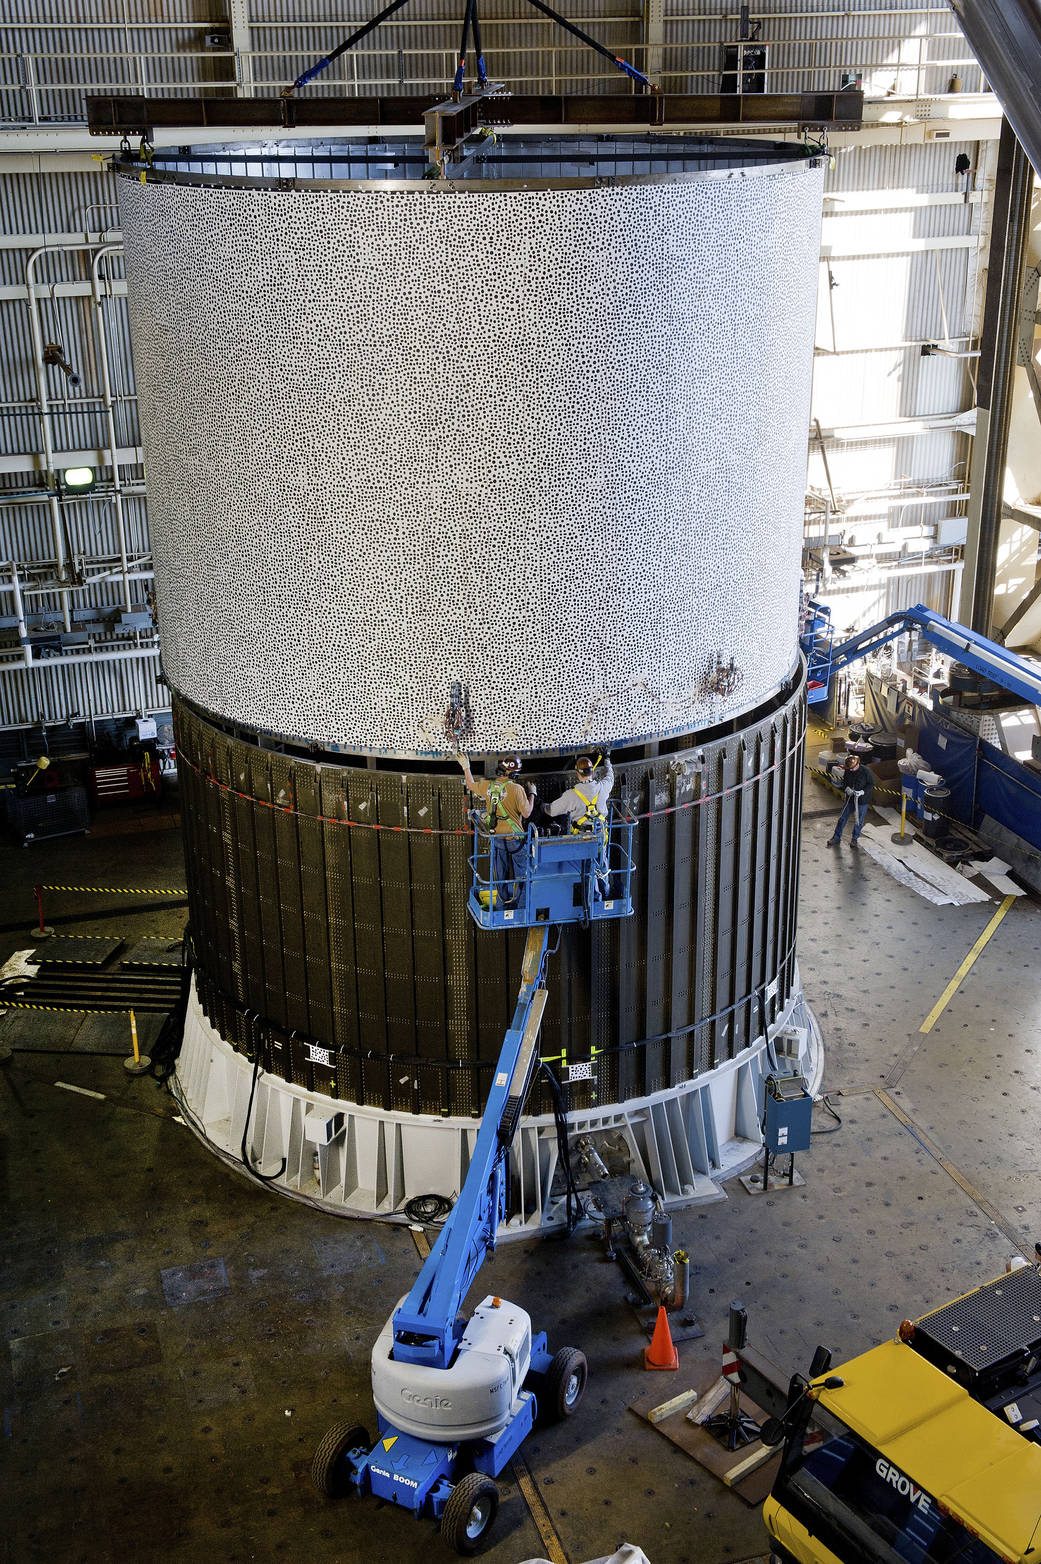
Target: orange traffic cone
x=661 y=1354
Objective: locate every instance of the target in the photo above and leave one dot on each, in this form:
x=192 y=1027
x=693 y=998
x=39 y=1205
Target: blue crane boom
x=988 y=658
x=426 y=1324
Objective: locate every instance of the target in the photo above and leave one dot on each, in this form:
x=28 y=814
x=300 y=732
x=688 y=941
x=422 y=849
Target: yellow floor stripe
x=941 y=1004
x=950 y=1168
x=539 y=1513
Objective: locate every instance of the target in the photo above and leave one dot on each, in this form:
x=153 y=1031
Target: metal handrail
x=618 y=821
x=434 y=64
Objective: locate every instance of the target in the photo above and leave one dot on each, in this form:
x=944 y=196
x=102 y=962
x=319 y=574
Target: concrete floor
x=177 y=1340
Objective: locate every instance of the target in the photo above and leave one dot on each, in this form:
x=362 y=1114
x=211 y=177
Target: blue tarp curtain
x=1009 y=793
x=982 y=780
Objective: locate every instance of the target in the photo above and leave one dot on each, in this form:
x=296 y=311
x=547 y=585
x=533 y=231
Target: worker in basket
x=585 y=805
x=585 y=802
x=509 y=806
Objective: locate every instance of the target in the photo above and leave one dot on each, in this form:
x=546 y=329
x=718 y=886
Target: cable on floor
x=833 y=1129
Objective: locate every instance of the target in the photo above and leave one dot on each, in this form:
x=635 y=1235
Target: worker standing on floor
x=858 y=785
x=509 y=806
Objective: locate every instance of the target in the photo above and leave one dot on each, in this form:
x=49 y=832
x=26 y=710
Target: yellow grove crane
x=925 y=1450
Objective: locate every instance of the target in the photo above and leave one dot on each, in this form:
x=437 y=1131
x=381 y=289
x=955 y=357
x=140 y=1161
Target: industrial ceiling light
x=78 y=480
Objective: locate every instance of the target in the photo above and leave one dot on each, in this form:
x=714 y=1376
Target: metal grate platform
x=988 y=1330
x=153 y=952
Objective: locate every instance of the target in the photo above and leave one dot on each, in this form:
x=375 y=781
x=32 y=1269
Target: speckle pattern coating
x=550 y=444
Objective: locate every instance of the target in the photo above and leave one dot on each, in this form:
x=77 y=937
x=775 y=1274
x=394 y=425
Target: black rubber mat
x=75 y=950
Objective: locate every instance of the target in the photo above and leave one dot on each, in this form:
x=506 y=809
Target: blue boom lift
x=987 y=658
x=455 y=1397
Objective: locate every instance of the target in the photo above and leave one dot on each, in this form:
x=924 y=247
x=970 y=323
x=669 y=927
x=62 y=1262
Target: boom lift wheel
x=565 y=1382
x=469 y=1513
x=327 y=1470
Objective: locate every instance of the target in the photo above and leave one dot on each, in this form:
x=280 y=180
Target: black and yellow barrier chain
x=98 y=890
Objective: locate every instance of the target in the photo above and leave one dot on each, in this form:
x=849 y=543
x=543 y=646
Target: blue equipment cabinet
x=455 y=1397
x=787 y=1121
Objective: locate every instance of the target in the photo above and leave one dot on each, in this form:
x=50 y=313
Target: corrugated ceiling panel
x=90 y=529
x=880 y=387
x=418 y=49
x=890 y=45
x=926 y=165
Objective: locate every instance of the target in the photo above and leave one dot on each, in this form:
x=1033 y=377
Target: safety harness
x=591 y=817
x=497 y=808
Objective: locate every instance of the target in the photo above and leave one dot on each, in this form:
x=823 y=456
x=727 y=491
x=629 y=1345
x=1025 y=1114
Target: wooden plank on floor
x=678 y=1403
x=689 y=1436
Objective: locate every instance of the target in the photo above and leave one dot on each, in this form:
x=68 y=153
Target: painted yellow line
x=941 y=1004
x=975 y=1195
x=539 y=1513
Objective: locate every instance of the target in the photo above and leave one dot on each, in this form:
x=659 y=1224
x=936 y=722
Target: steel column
x=1011 y=216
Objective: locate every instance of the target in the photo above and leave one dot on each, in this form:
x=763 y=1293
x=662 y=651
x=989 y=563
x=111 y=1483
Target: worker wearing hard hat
x=585 y=805
x=509 y=806
x=858 y=786
x=585 y=802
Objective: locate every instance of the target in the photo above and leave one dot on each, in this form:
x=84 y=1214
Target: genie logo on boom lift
x=435 y=1403
x=394 y=1477
x=904 y=1485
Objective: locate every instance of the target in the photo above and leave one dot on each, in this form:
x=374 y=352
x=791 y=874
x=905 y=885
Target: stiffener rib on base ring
x=362 y=1162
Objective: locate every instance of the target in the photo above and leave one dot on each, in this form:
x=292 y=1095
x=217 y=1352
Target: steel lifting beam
x=134 y=116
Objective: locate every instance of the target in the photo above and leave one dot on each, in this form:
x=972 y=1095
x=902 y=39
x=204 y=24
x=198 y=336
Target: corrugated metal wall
x=47 y=59
x=58 y=209
x=906 y=49
x=903 y=255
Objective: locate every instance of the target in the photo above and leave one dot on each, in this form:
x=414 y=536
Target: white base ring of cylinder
x=368 y=1162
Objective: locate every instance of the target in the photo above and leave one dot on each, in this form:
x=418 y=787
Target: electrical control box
x=788 y=1111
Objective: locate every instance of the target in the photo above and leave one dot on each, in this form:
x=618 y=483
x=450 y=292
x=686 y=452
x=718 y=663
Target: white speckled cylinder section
x=548 y=443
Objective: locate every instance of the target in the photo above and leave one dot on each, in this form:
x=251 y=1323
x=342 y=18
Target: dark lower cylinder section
x=332 y=938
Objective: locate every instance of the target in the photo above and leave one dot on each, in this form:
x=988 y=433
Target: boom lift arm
x=426 y=1323
x=456 y=1397
x=985 y=657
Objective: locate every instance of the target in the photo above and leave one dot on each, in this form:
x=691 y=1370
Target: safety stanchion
x=901 y=835
x=44 y=929
x=734 y=1428
x=136 y=1063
